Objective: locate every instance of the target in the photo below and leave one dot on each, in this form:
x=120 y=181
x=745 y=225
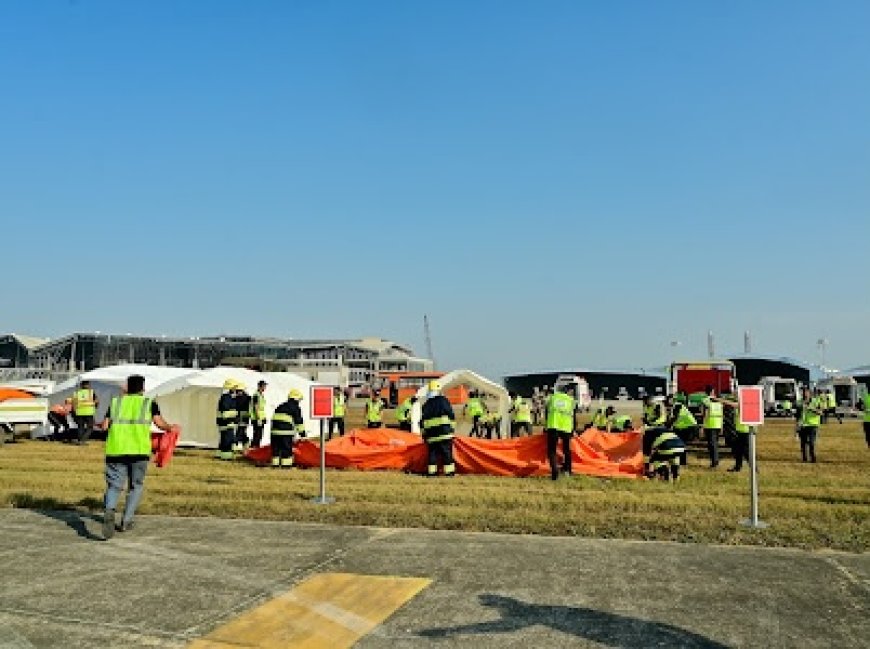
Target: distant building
x=352 y=362
x=610 y=383
x=15 y=350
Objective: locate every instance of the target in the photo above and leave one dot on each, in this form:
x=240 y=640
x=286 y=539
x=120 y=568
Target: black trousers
x=712 y=435
x=689 y=434
x=553 y=437
x=443 y=451
x=740 y=448
x=867 y=432
x=85 y=424
x=282 y=446
x=258 y=427
x=374 y=424
x=228 y=436
x=808 y=435
x=336 y=422
x=405 y=425
x=59 y=424
x=517 y=428
x=242 y=431
x=475 y=427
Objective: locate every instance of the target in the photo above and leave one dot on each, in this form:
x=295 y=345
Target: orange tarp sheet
x=593 y=453
x=14 y=393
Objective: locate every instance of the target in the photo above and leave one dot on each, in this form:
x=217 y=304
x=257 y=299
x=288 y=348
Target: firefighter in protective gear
x=243 y=405
x=287 y=423
x=258 y=413
x=560 y=425
x=403 y=413
x=661 y=453
x=438 y=424
x=84 y=409
x=713 y=420
x=339 y=410
x=684 y=424
x=227 y=418
x=521 y=415
x=374 y=411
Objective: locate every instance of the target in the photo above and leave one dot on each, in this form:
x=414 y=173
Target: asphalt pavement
x=173 y=580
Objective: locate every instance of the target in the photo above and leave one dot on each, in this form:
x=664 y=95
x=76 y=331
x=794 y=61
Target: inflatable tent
x=191 y=400
x=107 y=382
x=476 y=381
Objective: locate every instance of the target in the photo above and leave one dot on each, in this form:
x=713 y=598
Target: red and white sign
x=321 y=402
x=751 y=405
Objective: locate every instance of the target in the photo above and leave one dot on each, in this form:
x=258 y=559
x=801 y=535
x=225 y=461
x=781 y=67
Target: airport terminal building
x=357 y=361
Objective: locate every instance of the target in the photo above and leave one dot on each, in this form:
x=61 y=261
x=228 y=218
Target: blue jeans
x=117 y=475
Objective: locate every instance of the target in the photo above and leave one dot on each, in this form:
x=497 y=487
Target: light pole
x=823 y=346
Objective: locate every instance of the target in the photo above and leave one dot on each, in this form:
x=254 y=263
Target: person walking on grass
x=810 y=420
x=128 y=451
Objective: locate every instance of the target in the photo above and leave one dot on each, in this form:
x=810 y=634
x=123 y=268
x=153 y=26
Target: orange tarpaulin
x=14 y=393
x=593 y=453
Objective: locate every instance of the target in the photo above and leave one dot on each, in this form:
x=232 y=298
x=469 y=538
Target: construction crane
x=428 y=338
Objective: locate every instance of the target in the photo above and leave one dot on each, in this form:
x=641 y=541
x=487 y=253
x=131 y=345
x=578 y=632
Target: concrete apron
x=176 y=581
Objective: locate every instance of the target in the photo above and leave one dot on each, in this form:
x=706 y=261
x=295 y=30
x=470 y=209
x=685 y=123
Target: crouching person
x=662 y=451
x=286 y=424
x=128 y=451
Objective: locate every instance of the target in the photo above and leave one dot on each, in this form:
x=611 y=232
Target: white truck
x=781 y=396
x=847 y=392
x=29 y=415
x=577 y=387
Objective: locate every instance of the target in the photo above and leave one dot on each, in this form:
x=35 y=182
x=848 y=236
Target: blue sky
x=557 y=184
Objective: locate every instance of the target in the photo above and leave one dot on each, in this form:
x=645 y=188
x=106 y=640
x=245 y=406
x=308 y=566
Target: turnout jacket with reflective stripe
x=662 y=440
x=287 y=419
x=437 y=419
x=227 y=412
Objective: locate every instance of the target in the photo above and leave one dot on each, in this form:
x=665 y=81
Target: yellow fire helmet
x=230 y=384
x=295 y=394
x=434 y=386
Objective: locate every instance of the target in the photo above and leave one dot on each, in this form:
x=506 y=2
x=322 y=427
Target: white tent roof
x=191 y=400
x=154 y=375
x=472 y=379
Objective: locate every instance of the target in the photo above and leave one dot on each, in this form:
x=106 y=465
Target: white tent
x=191 y=400
x=474 y=380
x=106 y=382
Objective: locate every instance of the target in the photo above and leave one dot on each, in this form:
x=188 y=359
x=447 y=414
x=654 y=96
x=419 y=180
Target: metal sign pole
x=322 y=499
x=753 y=521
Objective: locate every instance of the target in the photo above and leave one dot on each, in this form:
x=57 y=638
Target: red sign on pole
x=751 y=405
x=321 y=402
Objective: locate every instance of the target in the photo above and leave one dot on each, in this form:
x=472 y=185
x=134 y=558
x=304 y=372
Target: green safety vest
x=685 y=419
x=867 y=407
x=522 y=411
x=85 y=403
x=832 y=400
x=650 y=415
x=621 y=421
x=403 y=412
x=338 y=406
x=257 y=410
x=599 y=421
x=712 y=414
x=474 y=407
x=373 y=410
x=560 y=412
x=130 y=431
x=738 y=427
x=811 y=419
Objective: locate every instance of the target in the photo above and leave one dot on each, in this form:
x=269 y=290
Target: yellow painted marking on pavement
x=327 y=611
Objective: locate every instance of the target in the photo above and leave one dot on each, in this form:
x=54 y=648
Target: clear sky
x=557 y=184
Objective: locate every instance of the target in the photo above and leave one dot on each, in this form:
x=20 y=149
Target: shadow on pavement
x=608 y=629
x=48 y=507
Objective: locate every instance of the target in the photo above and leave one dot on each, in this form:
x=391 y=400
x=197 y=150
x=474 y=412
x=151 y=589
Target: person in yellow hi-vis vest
x=84 y=408
x=374 y=411
x=258 y=413
x=865 y=402
x=713 y=418
x=339 y=410
x=561 y=424
x=128 y=451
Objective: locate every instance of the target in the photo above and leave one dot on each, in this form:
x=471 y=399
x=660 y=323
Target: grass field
x=826 y=505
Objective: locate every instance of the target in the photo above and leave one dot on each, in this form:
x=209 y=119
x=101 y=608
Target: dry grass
x=826 y=505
